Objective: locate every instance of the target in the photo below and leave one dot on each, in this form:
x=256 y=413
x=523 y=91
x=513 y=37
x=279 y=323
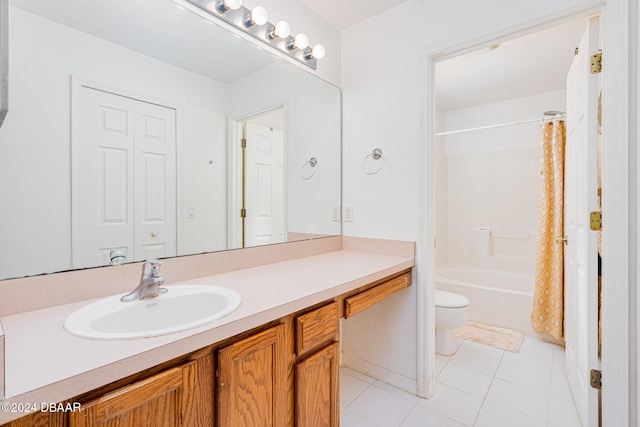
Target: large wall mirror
x=141 y=130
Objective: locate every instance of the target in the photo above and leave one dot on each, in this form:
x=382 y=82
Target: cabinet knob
x=154 y=233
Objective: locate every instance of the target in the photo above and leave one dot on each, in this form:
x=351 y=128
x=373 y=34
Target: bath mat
x=502 y=338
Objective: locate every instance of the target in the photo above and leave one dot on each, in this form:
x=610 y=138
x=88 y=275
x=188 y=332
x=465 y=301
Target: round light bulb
x=259 y=15
x=282 y=29
x=301 y=41
x=318 y=51
x=232 y=4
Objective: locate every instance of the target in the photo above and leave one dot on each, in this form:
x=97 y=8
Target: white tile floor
x=479 y=386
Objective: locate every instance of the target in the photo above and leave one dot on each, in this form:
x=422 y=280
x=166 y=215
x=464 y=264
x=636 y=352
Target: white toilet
x=451 y=313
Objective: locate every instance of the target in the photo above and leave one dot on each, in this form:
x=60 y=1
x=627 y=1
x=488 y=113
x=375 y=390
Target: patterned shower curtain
x=548 y=299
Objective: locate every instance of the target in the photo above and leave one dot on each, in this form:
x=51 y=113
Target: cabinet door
x=252 y=381
x=317 y=393
x=155 y=401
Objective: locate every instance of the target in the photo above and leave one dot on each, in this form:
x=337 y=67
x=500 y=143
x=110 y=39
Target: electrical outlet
x=335 y=214
x=348 y=213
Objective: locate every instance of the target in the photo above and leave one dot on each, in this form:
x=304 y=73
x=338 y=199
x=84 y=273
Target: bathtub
x=498 y=298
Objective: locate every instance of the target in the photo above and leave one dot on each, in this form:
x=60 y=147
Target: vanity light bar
x=255 y=22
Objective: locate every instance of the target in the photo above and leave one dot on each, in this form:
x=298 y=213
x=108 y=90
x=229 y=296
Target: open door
x=581 y=198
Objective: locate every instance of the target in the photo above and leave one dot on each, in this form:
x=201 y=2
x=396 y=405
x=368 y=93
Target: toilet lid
x=450 y=300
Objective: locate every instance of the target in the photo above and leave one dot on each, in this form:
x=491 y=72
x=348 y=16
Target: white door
x=581 y=281
x=264 y=191
x=127 y=179
x=155 y=181
x=106 y=170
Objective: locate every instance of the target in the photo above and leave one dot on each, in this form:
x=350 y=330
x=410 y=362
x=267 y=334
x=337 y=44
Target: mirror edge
x=4 y=60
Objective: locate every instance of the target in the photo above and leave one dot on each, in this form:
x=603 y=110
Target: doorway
x=262 y=179
x=486 y=162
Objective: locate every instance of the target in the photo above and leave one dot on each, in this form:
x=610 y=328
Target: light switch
x=348 y=213
x=335 y=214
x=191 y=212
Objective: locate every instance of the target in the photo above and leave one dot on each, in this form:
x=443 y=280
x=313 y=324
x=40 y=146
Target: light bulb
x=301 y=41
x=258 y=16
x=282 y=30
x=232 y=4
x=318 y=51
x=225 y=5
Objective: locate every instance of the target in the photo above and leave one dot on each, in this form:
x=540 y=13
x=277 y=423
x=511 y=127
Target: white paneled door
x=126 y=179
x=264 y=197
x=581 y=275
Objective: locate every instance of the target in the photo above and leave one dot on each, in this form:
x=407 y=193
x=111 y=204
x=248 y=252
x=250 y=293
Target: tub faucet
x=150 y=282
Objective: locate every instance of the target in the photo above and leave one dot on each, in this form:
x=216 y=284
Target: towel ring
x=376 y=154
x=313 y=162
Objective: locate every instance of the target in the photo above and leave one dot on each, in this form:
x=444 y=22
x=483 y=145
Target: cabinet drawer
x=365 y=299
x=316 y=328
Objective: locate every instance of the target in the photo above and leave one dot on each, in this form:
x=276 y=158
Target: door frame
x=77 y=83
x=234 y=191
x=616 y=362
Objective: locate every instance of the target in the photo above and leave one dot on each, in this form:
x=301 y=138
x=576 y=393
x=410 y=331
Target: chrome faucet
x=150 y=282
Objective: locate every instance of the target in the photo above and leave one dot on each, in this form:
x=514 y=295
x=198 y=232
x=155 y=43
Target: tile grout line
x=484 y=399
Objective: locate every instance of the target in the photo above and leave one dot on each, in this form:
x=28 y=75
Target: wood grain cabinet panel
x=155 y=401
x=317 y=389
x=365 y=299
x=316 y=328
x=253 y=382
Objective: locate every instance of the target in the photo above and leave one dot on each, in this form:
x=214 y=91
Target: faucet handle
x=151 y=268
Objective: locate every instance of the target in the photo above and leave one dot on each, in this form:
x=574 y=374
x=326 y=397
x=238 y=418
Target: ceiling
x=528 y=65
x=343 y=14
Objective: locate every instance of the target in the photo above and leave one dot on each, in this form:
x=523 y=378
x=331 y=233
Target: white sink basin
x=183 y=307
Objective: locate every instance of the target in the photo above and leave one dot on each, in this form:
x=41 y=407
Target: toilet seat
x=446 y=299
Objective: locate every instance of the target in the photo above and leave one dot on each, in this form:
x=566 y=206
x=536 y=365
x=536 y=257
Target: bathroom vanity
x=274 y=361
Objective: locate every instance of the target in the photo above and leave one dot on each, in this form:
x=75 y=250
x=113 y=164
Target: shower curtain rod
x=451 y=132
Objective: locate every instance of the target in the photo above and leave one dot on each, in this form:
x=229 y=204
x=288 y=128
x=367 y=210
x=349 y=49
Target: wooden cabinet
x=382 y=289
x=253 y=382
x=316 y=327
x=317 y=368
x=317 y=389
x=170 y=398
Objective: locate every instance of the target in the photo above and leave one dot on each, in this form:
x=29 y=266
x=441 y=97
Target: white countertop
x=44 y=363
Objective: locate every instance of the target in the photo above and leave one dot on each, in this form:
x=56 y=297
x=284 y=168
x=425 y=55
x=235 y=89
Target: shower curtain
x=548 y=300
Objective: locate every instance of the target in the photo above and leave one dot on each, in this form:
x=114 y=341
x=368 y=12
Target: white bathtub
x=498 y=298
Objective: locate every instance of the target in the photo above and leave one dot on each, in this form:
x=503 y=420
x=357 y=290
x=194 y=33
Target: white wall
x=382 y=106
x=312 y=129
x=35 y=153
x=494 y=181
x=442 y=195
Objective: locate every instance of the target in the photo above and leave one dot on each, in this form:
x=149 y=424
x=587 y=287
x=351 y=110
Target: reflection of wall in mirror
x=312 y=117
x=35 y=232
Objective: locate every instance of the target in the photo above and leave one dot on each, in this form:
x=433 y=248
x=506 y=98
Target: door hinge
x=243 y=213
x=595 y=220
x=596 y=379
x=243 y=142
x=596 y=63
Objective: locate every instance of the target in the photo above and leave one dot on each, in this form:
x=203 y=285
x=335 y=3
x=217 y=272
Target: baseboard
x=407 y=384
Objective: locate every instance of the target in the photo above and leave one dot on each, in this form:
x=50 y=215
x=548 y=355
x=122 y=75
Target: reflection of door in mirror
x=263 y=180
x=126 y=187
